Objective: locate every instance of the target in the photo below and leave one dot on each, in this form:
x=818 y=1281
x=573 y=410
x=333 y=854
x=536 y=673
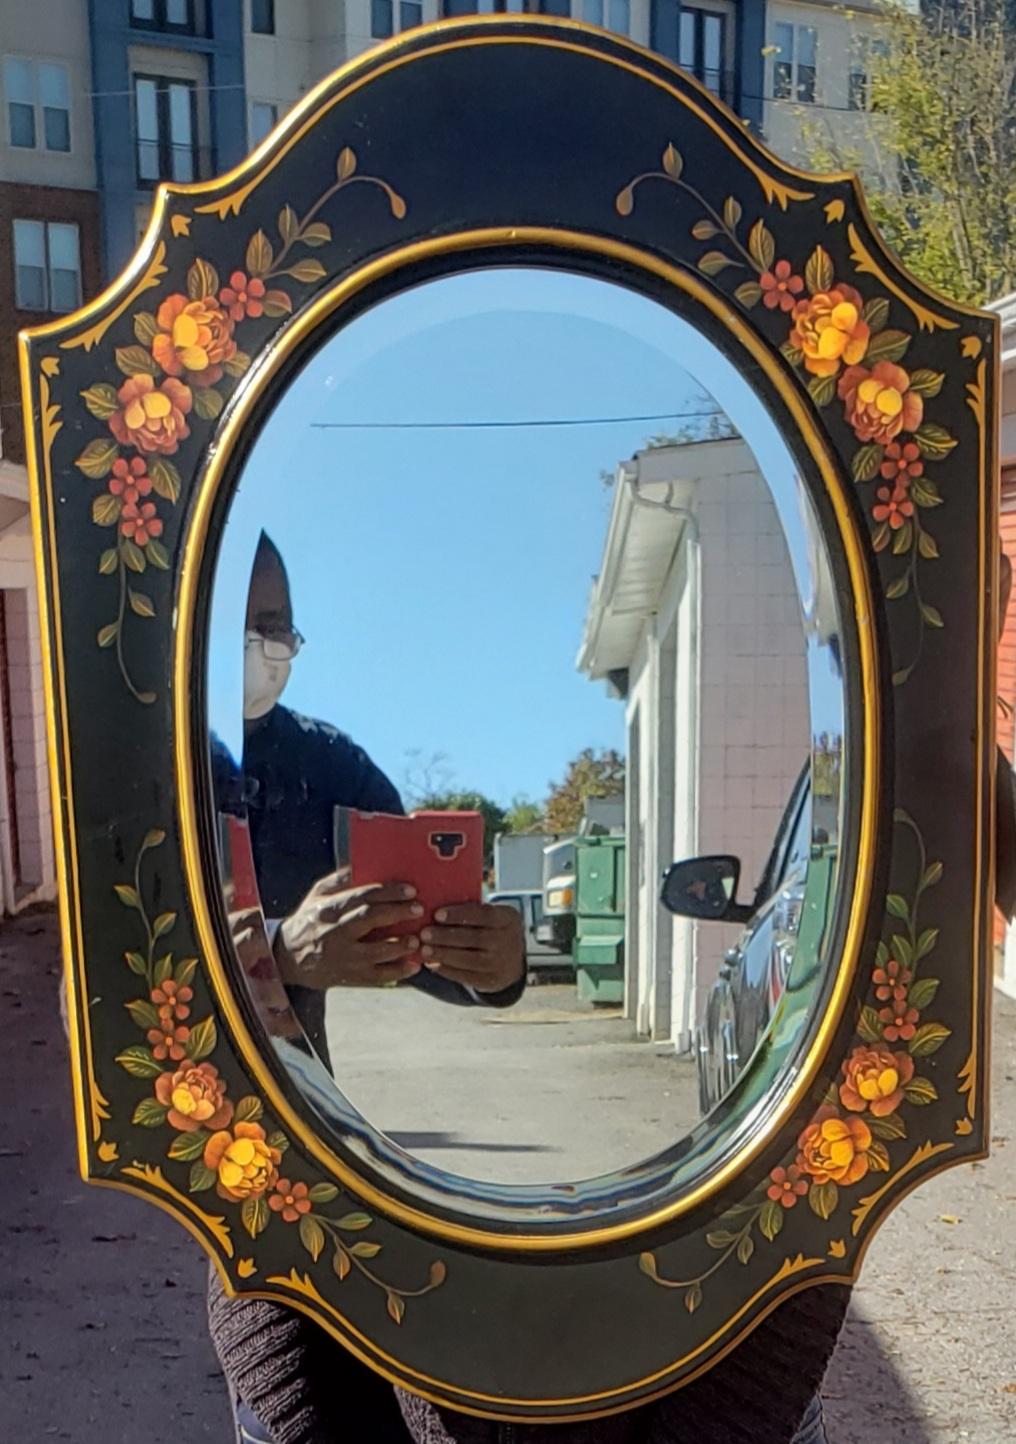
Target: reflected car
x=753 y=974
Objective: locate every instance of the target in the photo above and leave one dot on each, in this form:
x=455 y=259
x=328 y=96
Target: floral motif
x=835 y=1150
x=244 y=1162
x=875 y=1079
x=195 y=338
x=830 y=330
x=244 y=296
x=292 y=1200
x=879 y=403
x=172 y=1001
x=786 y=1185
x=902 y=464
x=780 y=286
x=195 y=1097
x=152 y=417
x=892 y=981
x=893 y=506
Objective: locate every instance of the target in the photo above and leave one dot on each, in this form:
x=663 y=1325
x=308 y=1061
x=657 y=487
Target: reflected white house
x=695 y=622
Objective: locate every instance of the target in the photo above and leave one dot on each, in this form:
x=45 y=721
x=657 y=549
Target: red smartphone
x=438 y=853
x=241 y=859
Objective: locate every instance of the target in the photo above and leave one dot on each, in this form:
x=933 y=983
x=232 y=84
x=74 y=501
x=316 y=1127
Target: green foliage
x=590 y=774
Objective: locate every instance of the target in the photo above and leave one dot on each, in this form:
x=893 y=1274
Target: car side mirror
x=704 y=888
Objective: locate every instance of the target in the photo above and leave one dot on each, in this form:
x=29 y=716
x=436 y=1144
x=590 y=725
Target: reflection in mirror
x=521 y=601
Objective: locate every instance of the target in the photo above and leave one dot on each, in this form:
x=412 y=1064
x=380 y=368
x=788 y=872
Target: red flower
x=898 y=1021
x=130 y=480
x=171 y=1001
x=780 y=286
x=892 y=981
x=243 y=297
x=167 y=1042
x=900 y=464
x=289 y=1199
x=140 y=523
x=787 y=1186
x=895 y=507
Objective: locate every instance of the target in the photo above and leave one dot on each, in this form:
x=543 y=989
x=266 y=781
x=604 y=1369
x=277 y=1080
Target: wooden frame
x=523 y=141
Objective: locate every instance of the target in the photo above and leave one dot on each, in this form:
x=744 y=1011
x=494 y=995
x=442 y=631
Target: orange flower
x=130 y=480
x=243 y=297
x=194 y=337
x=140 y=523
x=289 y=1199
x=786 y=1186
x=195 y=1096
x=834 y=1149
x=152 y=417
x=894 y=506
x=167 y=1041
x=879 y=403
x=172 y=1000
x=901 y=464
x=246 y=1165
x=899 y=1023
x=780 y=286
x=830 y=329
x=892 y=981
x=875 y=1079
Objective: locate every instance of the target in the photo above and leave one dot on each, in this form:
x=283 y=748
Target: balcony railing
x=159 y=160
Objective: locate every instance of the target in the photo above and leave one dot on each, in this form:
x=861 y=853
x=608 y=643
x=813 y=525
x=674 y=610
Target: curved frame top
x=519 y=141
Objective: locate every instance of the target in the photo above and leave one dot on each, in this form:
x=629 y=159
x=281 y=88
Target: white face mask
x=263 y=682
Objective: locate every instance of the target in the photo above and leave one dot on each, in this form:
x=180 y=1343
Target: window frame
x=794 y=64
x=698 y=68
x=161 y=22
x=272 y=105
x=165 y=142
x=47 y=271
x=271 y=18
x=396 y=10
x=38 y=108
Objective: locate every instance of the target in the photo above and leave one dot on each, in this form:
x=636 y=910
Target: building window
x=608 y=14
x=390 y=18
x=165 y=119
x=175 y=15
x=862 y=51
x=482 y=7
x=47 y=266
x=702 y=47
x=262 y=17
x=263 y=115
x=38 y=104
x=795 y=62
x=553 y=7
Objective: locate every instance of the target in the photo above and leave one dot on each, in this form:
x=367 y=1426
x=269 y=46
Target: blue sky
x=441 y=576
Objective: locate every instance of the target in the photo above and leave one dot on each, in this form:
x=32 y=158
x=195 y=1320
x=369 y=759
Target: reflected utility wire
x=504 y=425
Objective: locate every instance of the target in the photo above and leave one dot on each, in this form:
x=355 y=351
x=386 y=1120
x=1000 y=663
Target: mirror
x=521 y=603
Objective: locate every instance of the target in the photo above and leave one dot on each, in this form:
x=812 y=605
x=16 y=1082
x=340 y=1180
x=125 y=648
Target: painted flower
x=246 y=1166
x=130 y=480
x=892 y=981
x=893 y=506
x=786 y=1186
x=834 y=1150
x=243 y=296
x=152 y=417
x=901 y=464
x=878 y=403
x=172 y=1001
x=140 y=523
x=167 y=1041
x=780 y=286
x=830 y=329
x=289 y=1199
x=874 y=1079
x=194 y=338
x=899 y=1023
x=195 y=1096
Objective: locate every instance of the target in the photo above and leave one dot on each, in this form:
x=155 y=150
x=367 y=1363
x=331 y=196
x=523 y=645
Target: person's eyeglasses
x=277 y=646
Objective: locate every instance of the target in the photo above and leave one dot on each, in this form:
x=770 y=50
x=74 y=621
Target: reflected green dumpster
x=598 y=949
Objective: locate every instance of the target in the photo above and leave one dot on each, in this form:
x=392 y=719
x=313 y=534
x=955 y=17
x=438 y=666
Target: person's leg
x=249 y=1430
x=811 y=1429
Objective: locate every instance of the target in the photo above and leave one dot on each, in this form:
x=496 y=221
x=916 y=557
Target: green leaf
x=238 y=364
x=887 y=346
x=932 y=875
x=922 y=993
x=207 y=403
x=341 y=1264
x=165 y=478
x=306 y=270
x=163 y=924
x=924 y=492
x=933 y=441
x=761 y=246
x=146 y=328
x=323 y=1193
x=127 y=895
x=693 y=1297
x=346 y=163
x=96 y=461
x=201 y=1177
x=745 y=1249
x=876 y=314
x=925 y=382
x=143 y=1013
x=889 y=1127
x=108 y=561
x=881 y=954
x=926 y=942
x=749 y=293
x=397 y=1307
x=278 y=1141
x=822 y=389
x=770 y=1220
x=312 y=1235
x=202 y=1040
x=868 y=1026
x=107 y=635
x=277 y=303
x=818 y=273
x=927 y=545
x=101 y=400
x=928 y=1039
x=141 y=603
x=187 y=1146
x=878 y=1157
x=289 y=224
x=720 y=1238
x=352 y=1222
x=154 y=837
x=901 y=950
x=259 y=255
x=920 y=1091
x=202 y=280
x=136 y=963
x=903 y=539
x=899 y=588
x=183 y=973
x=673 y=162
x=731 y=212
x=316 y=234
x=897 y=906
x=249 y=1109
x=134 y=557
x=158 y=555
x=139 y=1062
x=163 y=970
x=866 y=462
x=135 y=361
x=793 y=354
x=931 y=615
x=704 y=230
x=106 y=510
x=255 y=1216
x=823 y=1198
x=363 y=1248
x=150 y=1113
x=880 y=538
x=647 y=1265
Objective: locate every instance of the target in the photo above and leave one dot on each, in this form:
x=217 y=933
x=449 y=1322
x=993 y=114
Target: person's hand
x=480 y=945
x=330 y=940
